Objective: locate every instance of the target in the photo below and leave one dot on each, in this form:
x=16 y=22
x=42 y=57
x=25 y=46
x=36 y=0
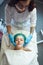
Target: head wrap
x=19 y=34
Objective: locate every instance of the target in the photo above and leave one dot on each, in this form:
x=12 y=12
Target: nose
x=18 y=40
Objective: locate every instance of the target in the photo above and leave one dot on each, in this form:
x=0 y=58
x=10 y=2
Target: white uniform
x=20 y=21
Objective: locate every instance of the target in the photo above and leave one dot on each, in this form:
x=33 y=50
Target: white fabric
x=19 y=57
x=20 y=20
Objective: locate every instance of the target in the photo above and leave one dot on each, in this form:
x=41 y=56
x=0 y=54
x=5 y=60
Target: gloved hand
x=28 y=39
x=11 y=38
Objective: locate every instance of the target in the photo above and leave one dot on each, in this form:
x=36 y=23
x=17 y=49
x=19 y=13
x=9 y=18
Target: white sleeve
x=7 y=15
x=33 y=17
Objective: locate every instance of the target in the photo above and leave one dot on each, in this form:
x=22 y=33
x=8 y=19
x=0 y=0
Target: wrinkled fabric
x=20 y=21
x=19 y=57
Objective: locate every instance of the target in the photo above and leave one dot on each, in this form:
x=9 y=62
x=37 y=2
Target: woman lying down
x=20 y=55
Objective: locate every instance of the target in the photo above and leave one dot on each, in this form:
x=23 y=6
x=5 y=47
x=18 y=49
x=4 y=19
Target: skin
x=8 y=29
x=32 y=29
x=19 y=44
x=21 y=5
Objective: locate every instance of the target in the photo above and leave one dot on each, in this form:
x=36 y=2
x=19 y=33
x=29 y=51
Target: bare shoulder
x=26 y=49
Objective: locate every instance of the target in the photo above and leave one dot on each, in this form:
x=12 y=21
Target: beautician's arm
x=26 y=49
x=33 y=20
x=8 y=18
x=32 y=30
x=8 y=29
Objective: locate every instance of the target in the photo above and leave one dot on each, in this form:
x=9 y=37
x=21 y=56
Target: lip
x=18 y=44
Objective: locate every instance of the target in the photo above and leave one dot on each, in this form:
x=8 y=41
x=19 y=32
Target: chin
x=19 y=45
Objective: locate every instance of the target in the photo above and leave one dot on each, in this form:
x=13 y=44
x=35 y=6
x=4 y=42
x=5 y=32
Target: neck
x=17 y=48
x=19 y=9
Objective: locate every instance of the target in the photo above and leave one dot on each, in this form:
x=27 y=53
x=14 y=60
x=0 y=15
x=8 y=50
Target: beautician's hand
x=11 y=38
x=28 y=39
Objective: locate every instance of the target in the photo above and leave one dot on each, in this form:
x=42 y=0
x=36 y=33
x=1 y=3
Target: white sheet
x=19 y=57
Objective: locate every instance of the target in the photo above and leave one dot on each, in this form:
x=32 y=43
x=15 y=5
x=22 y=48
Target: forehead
x=20 y=37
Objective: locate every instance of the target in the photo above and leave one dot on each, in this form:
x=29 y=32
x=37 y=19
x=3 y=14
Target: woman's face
x=21 y=5
x=19 y=41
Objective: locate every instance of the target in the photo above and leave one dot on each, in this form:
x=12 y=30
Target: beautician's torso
x=20 y=21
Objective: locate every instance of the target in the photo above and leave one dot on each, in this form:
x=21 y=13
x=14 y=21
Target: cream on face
x=19 y=41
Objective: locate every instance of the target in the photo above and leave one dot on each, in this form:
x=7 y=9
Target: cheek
x=22 y=42
x=16 y=42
